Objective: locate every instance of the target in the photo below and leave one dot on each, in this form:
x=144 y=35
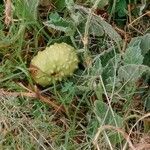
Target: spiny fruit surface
x=53 y=64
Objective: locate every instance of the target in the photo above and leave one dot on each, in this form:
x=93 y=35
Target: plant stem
x=87 y=27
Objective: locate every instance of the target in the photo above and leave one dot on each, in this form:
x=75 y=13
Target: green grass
x=105 y=100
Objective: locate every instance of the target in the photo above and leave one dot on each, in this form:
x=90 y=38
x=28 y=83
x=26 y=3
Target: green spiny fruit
x=53 y=64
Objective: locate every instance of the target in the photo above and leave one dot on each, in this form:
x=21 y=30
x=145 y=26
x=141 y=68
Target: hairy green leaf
x=131 y=72
x=58 y=23
x=106 y=117
x=143 y=42
x=109 y=70
x=133 y=55
x=109 y=30
x=96 y=29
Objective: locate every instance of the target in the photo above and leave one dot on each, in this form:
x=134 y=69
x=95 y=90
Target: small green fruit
x=53 y=64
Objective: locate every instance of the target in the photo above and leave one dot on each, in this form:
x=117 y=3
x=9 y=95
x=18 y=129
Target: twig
x=129 y=10
x=36 y=94
x=8 y=12
x=131 y=23
x=148 y=12
x=124 y=134
x=125 y=35
x=143 y=146
x=143 y=117
x=86 y=32
x=17 y=94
